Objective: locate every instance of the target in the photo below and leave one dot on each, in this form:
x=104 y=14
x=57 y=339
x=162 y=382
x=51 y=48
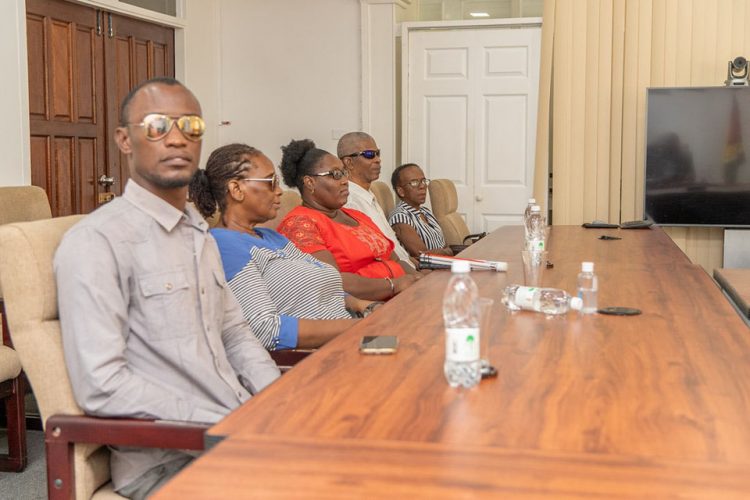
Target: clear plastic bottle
x=527 y=214
x=588 y=287
x=545 y=300
x=461 y=316
x=535 y=232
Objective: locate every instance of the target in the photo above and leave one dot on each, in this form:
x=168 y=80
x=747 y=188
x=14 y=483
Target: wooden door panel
x=84 y=88
x=37 y=62
x=67 y=111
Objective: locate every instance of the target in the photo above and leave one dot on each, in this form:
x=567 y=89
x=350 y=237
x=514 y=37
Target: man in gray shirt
x=150 y=328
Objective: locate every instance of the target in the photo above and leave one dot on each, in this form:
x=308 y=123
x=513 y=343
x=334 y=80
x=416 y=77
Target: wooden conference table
x=656 y=405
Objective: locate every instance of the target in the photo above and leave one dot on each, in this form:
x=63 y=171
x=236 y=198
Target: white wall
x=197 y=64
x=289 y=69
x=15 y=168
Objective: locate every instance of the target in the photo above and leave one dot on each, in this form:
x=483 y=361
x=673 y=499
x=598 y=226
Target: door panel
x=471 y=116
x=66 y=103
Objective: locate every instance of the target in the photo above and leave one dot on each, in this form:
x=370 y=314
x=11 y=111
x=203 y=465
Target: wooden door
x=66 y=103
x=82 y=62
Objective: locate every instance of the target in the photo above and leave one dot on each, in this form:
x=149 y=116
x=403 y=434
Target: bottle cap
x=460 y=266
x=576 y=303
x=587 y=267
x=536 y=208
x=532 y=201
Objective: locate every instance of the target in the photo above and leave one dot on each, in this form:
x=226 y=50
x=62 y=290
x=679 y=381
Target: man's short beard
x=168 y=183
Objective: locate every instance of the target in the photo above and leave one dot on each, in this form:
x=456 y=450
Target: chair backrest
x=289 y=200
x=444 y=199
x=26 y=253
x=384 y=195
x=22 y=204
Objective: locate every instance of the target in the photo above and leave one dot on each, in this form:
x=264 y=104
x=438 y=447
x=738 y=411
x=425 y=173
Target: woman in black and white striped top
x=415 y=226
x=289 y=298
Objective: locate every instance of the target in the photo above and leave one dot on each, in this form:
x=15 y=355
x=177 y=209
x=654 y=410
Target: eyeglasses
x=417 y=182
x=157 y=126
x=367 y=153
x=273 y=180
x=337 y=175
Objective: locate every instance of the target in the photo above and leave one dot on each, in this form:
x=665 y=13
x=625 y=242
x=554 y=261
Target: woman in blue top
x=290 y=299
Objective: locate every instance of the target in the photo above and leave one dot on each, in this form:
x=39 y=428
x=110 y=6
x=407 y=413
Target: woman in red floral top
x=342 y=237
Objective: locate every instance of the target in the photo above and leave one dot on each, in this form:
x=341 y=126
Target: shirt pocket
x=168 y=305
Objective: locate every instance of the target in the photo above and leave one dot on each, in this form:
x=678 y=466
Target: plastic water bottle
x=550 y=301
x=461 y=316
x=527 y=213
x=588 y=286
x=535 y=230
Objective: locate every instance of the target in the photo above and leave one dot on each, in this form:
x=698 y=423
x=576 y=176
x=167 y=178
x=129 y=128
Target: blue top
x=276 y=284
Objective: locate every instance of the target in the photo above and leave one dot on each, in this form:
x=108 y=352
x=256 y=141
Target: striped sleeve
x=260 y=311
x=399 y=216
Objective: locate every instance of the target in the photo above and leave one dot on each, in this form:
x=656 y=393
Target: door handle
x=106 y=181
x=479 y=197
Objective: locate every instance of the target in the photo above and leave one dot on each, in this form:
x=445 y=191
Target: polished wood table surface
x=736 y=282
x=655 y=404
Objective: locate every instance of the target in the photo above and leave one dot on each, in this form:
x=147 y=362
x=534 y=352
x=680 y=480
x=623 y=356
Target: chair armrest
x=63 y=431
x=287 y=358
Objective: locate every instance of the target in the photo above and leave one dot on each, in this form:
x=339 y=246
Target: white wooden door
x=470 y=116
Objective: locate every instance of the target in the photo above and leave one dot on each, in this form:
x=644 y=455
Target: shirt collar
x=359 y=190
x=409 y=208
x=162 y=212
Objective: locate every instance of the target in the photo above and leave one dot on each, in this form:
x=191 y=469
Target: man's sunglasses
x=337 y=175
x=417 y=182
x=274 y=181
x=157 y=126
x=367 y=153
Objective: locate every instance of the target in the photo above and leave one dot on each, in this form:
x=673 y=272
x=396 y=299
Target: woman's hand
x=403 y=282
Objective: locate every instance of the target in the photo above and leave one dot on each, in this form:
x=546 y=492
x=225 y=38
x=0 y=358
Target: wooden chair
x=285 y=359
x=17 y=204
x=384 y=195
x=444 y=200
x=77 y=463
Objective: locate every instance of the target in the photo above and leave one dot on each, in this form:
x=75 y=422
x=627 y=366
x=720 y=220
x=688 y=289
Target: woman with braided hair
x=290 y=299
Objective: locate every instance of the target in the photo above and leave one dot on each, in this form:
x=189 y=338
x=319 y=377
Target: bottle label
x=462 y=344
x=525 y=297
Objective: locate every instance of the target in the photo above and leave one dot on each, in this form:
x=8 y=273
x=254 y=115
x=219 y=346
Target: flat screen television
x=698 y=156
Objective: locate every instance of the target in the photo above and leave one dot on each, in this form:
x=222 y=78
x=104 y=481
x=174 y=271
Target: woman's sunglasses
x=157 y=126
x=336 y=175
x=367 y=153
x=274 y=181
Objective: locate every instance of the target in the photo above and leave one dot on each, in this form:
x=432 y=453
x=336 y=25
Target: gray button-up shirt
x=150 y=328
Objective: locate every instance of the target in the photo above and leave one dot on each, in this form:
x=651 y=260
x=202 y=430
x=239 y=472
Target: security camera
x=737 y=72
x=739 y=63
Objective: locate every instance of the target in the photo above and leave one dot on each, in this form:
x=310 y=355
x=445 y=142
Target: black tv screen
x=697 y=165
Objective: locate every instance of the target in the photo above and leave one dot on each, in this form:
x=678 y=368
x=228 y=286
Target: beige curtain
x=598 y=58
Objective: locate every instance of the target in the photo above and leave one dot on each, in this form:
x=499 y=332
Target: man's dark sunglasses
x=367 y=153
